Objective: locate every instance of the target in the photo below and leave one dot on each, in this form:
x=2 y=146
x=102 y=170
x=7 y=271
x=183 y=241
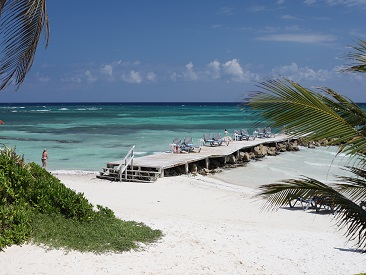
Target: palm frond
x=359 y=55
x=349 y=215
x=353 y=187
x=279 y=194
x=22 y=22
x=303 y=112
x=345 y=107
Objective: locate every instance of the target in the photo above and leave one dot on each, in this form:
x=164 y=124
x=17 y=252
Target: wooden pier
x=149 y=168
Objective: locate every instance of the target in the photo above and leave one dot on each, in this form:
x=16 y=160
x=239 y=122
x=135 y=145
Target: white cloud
x=348 y=3
x=89 y=77
x=296 y=73
x=288 y=17
x=73 y=79
x=299 y=38
x=233 y=68
x=189 y=73
x=225 y=11
x=107 y=69
x=42 y=78
x=309 y=2
x=214 y=69
x=151 y=76
x=132 y=77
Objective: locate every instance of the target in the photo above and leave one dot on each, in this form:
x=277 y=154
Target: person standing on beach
x=44 y=158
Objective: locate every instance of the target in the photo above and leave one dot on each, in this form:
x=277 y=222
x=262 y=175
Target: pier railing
x=128 y=160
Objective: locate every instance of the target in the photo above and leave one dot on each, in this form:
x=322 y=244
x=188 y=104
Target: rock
x=272 y=151
x=241 y=156
x=231 y=159
x=246 y=157
x=260 y=150
x=281 y=147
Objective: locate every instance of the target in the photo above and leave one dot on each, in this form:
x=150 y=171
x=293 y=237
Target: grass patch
x=102 y=234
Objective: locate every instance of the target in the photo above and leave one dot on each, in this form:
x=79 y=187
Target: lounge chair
x=316 y=202
x=268 y=132
x=217 y=137
x=208 y=139
x=179 y=147
x=188 y=143
x=245 y=135
x=305 y=203
x=237 y=135
x=260 y=133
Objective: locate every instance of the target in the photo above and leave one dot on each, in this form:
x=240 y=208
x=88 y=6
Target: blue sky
x=192 y=51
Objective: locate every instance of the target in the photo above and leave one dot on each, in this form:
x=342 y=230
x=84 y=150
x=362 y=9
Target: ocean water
x=83 y=137
x=321 y=163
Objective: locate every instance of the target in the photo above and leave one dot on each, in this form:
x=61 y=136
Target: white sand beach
x=209 y=226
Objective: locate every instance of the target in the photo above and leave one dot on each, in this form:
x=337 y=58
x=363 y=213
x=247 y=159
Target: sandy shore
x=210 y=227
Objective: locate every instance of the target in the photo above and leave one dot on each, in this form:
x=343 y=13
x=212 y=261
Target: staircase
x=125 y=171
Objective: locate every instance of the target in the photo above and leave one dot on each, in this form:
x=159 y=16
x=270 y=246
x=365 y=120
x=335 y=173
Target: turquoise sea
x=84 y=136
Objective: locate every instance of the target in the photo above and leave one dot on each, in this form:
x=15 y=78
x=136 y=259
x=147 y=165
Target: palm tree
x=22 y=22
x=316 y=115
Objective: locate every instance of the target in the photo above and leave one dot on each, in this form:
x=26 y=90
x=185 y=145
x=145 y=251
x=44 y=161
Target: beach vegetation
x=36 y=207
x=315 y=115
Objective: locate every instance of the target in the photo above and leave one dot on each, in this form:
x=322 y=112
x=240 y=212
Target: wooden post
x=207 y=163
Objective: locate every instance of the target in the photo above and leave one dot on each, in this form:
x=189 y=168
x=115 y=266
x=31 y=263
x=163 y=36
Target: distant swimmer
x=2 y=122
x=44 y=158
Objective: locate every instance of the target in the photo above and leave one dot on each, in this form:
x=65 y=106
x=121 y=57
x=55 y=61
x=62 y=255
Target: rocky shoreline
x=246 y=155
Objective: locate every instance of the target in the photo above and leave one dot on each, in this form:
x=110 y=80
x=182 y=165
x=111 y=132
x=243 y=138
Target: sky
x=191 y=50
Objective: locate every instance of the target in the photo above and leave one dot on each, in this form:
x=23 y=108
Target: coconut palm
x=316 y=115
x=21 y=25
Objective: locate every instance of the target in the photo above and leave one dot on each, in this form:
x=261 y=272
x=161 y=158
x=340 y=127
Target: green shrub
x=15 y=224
x=36 y=206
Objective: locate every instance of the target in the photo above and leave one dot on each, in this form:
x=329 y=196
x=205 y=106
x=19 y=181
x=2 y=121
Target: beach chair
x=268 y=132
x=245 y=135
x=259 y=133
x=305 y=203
x=217 y=137
x=179 y=147
x=237 y=135
x=208 y=139
x=318 y=202
x=188 y=142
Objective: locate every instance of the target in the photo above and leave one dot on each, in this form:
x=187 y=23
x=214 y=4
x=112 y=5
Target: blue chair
x=179 y=147
x=188 y=142
x=208 y=139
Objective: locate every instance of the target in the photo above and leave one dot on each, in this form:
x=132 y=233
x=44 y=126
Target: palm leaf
x=279 y=194
x=345 y=108
x=22 y=22
x=303 y=112
x=348 y=214
x=359 y=56
x=353 y=187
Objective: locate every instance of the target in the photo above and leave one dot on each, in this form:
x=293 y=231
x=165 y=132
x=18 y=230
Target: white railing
x=128 y=160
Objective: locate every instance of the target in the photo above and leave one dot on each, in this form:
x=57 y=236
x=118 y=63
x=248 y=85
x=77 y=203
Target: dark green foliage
x=48 y=195
x=316 y=115
x=34 y=205
x=15 y=224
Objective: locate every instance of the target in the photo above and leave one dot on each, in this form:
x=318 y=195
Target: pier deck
x=162 y=161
